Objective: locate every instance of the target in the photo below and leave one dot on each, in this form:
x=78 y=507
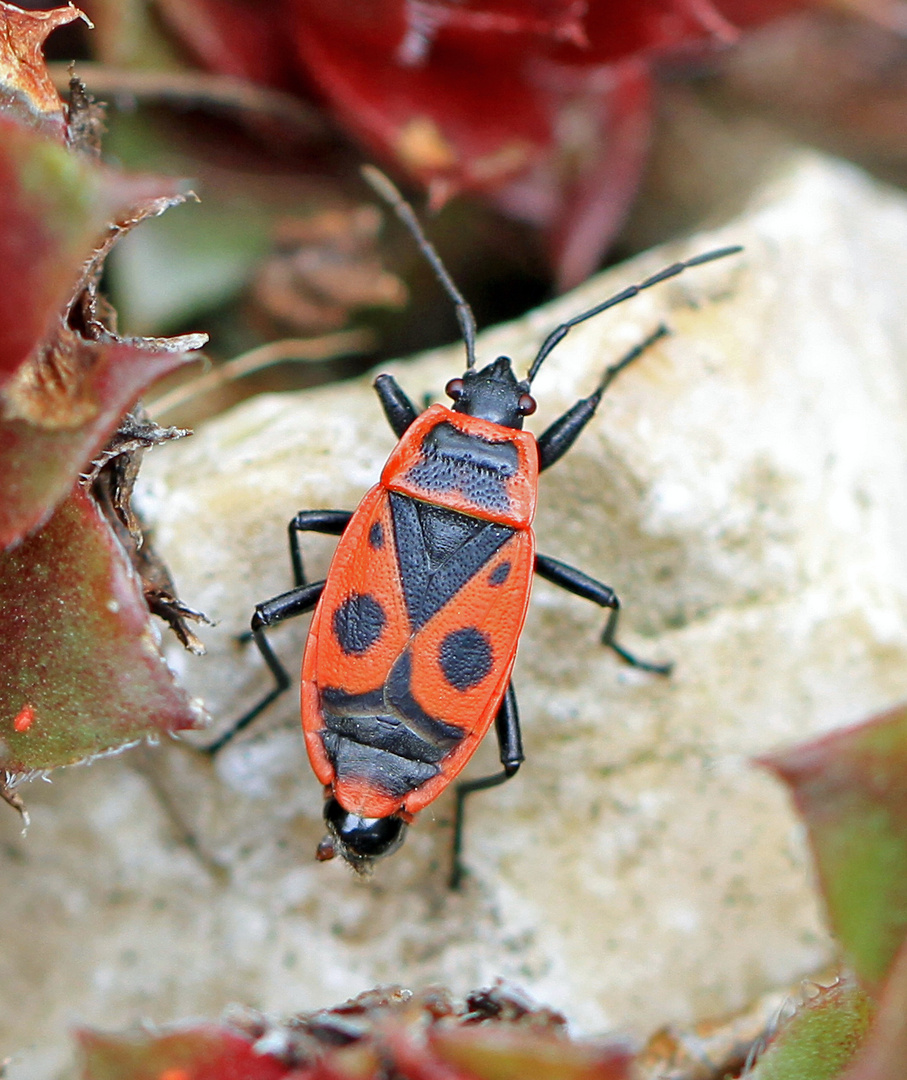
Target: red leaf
x=80 y=669
x=541 y=105
x=550 y=115
x=53 y=208
x=63 y=390
x=203 y=1052
x=243 y=38
x=23 y=76
x=41 y=454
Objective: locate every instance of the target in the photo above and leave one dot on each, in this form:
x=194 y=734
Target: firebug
x=409 y=656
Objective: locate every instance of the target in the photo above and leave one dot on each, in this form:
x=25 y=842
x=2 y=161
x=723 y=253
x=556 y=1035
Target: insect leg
x=330 y=522
x=296 y=602
x=557 y=439
x=510 y=743
x=398 y=409
x=267 y=614
x=581 y=584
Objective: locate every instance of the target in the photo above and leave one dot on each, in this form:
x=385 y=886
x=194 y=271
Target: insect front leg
x=558 y=437
x=398 y=408
x=510 y=744
x=580 y=584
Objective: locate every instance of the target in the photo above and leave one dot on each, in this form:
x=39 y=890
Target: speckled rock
x=743 y=488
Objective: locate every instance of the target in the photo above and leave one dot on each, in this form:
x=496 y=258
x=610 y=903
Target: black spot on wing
x=465 y=657
x=358 y=623
x=438 y=551
x=500 y=574
x=376 y=536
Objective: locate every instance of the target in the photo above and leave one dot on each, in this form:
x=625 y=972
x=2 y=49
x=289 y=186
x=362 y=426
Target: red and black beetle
x=415 y=631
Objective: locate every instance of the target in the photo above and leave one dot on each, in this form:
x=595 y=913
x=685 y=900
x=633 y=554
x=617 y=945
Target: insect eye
x=454 y=389
x=526 y=406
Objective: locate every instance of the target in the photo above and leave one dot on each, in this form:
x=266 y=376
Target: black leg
x=581 y=584
x=398 y=409
x=330 y=522
x=507 y=728
x=267 y=614
x=557 y=439
x=296 y=602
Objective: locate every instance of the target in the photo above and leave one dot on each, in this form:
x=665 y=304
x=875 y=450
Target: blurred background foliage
x=547 y=138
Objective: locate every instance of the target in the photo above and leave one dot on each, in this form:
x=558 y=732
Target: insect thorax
x=468 y=465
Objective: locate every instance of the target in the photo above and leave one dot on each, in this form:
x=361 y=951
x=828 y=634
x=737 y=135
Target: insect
x=409 y=656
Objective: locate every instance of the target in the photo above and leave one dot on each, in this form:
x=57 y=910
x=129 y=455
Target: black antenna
x=634 y=354
x=560 y=332
x=388 y=191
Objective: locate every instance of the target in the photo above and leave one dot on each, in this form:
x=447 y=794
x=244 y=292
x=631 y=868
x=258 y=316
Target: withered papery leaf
x=24 y=81
x=80 y=670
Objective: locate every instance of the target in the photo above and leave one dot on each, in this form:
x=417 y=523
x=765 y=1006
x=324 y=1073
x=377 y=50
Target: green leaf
x=850 y=789
x=821 y=1038
x=884 y=1053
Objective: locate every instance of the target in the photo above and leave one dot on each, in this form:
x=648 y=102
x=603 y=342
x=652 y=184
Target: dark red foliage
x=204 y=1052
x=498 y=1035
x=542 y=106
x=80 y=671
x=66 y=378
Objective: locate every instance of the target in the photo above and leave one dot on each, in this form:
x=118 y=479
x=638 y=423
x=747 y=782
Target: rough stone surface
x=743 y=488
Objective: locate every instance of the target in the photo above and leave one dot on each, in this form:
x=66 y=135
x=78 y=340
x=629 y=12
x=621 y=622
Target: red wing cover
x=410 y=649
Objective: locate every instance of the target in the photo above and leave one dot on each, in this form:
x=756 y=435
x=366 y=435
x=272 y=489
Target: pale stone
x=743 y=488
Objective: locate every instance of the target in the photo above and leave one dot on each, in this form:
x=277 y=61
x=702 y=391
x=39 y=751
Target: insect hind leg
x=510 y=744
x=607 y=639
x=328 y=522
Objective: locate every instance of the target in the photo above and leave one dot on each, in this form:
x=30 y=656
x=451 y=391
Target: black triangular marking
x=438 y=551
